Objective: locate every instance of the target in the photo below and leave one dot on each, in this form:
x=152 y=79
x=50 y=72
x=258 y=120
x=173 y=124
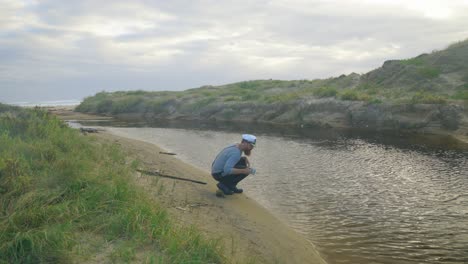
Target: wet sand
x=247 y=230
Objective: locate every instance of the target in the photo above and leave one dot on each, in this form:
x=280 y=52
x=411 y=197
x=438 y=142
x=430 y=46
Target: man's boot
x=235 y=189
x=226 y=190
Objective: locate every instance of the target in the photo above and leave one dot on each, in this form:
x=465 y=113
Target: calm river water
x=373 y=199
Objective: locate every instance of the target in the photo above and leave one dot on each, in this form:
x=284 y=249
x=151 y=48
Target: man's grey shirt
x=226 y=160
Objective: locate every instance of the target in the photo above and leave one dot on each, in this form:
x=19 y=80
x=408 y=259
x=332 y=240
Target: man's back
x=226 y=160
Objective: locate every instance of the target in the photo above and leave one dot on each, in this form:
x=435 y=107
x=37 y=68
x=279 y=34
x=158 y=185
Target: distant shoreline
x=55 y=103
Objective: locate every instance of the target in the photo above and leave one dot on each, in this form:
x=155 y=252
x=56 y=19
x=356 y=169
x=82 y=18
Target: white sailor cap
x=249 y=138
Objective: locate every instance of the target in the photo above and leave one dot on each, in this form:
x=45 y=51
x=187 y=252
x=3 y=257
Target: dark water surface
x=359 y=199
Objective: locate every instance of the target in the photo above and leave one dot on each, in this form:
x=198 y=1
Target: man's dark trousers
x=231 y=180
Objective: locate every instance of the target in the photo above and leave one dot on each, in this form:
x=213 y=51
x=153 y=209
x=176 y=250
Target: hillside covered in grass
x=67 y=198
x=430 y=90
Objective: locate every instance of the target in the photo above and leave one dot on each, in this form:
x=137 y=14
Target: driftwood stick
x=88 y=130
x=155 y=173
x=167 y=153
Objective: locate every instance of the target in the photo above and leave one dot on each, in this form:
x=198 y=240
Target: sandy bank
x=248 y=231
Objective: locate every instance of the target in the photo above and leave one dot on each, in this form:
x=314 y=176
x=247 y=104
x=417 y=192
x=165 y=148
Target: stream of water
x=362 y=200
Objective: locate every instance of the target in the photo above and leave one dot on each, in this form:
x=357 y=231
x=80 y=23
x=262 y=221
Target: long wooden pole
x=155 y=173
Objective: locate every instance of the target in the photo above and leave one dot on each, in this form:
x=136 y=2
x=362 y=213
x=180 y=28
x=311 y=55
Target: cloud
x=76 y=48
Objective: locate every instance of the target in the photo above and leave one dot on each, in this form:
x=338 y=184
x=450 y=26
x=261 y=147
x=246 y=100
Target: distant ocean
x=48 y=103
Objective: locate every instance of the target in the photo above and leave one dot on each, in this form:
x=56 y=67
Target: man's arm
x=240 y=171
x=229 y=167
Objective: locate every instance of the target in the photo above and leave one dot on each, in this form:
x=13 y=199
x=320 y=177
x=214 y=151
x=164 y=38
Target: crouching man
x=230 y=167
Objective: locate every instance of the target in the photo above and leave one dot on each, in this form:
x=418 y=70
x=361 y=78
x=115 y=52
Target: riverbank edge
x=460 y=135
x=450 y=119
x=249 y=232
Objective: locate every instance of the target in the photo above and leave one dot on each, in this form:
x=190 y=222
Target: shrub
x=417 y=61
x=460 y=95
x=429 y=72
x=369 y=88
x=248 y=84
x=325 y=92
x=281 y=98
x=349 y=95
x=426 y=98
x=104 y=106
x=228 y=114
x=207 y=93
x=197 y=105
x=250 y=96
x=137 y=92
x=158 y=105
x=375 y=101
x=127 y=104
x=353 y=95
x=231 y=98
x=465 y=78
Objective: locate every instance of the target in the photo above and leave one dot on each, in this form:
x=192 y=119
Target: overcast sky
x=54 y=50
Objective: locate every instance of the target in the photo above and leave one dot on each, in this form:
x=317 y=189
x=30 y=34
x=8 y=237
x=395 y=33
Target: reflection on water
x=372 y=200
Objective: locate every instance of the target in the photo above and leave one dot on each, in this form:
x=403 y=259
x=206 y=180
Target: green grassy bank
x=67 y=198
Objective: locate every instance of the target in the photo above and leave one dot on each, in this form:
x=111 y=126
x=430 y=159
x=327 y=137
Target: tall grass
x=65 y=197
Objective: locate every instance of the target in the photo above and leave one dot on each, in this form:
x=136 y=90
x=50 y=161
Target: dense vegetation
x=436 y=78
x=66 y=198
